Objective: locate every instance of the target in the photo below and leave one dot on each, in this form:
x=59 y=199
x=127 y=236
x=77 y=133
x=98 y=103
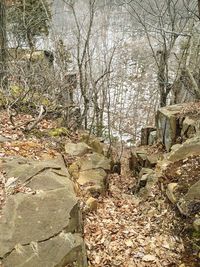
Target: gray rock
x=166 y=122
x=190 y=126
x=94 y=181
x=42 y=228
x=152 y=138
x=145 y=133
x=57 y=251
x=78 y=149
x=90 y=172
x=170 y=126
x=190 y=203
x=190 y=147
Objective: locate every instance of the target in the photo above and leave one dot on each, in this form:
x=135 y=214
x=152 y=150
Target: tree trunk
x=3 y=45
x=163 y=85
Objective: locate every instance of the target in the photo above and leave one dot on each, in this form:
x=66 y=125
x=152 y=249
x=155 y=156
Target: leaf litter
x=125 y=230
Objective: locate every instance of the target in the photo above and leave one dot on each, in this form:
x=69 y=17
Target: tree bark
x=3 y=45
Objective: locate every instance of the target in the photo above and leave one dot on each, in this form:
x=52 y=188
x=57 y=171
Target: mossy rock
x=74 y=170
x=57 y=132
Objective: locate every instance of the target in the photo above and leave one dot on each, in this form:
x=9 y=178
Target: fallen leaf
x=149 y=257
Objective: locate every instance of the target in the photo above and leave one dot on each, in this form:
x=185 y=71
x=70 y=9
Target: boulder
x=152 y=160
x=91 y=172
x=145 y=184
x=42 y=227
x=173 y=124
x=91 y=161
x=190 y=126
x=94 y=142
x=94 y=181
x=152 y=138
x=145 y=133
x=190 y=203
x=91 y=204
x=141 y=158
x=57 y=251
x=79 y=149
x=167 y=124
x=190 y=147
x=138 y=159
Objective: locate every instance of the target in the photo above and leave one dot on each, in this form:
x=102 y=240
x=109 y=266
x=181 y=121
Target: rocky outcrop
x=90 y=172
x=190 y=147
x=41 y=221
x=174 y=162
x=146 y=135
x=181 y=171
x=142 y=157
x=173 y=125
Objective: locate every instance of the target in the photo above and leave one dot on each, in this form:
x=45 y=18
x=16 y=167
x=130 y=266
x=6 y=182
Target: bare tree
x=163 y=23
x=3 y=45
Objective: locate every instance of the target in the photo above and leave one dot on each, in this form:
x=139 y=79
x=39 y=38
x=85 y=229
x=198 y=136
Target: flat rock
x=23 y=211
x=57 y=251
x=190 y=147
x=37 y=228
x=91 y=161
x=24 y=169
x=95 y=161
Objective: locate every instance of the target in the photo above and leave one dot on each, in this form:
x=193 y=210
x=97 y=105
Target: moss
x=196 y=235
x=56 y=132
x=74 y=170
x=46 y=102
x=16 y=91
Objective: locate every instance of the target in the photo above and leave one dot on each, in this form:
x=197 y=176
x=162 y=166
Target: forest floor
x=125 y=230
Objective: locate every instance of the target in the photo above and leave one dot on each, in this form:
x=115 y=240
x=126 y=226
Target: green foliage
x=28 y=19
x=57 y=132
